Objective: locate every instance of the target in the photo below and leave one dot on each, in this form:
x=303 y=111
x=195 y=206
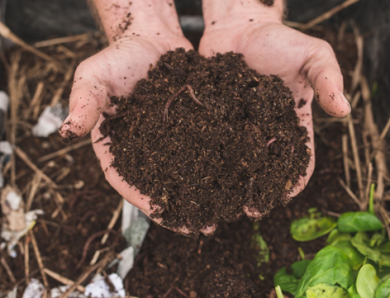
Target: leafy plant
x=367 y=281
x=312 y=226
x=357 y=255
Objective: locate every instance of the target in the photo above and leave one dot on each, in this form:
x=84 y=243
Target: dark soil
x=206 y=137
x=225 y=264
x=268 y=2
x=89 y=209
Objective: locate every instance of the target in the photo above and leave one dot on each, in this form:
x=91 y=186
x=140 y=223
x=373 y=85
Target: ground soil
x=88 y=209
x=224 y=264
x=206 y=137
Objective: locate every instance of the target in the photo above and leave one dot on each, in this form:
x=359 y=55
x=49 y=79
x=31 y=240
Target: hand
x=114 y=72
x=307 y=65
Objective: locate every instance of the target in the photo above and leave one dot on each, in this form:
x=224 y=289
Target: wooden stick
x=32 y=166
x=61 y=40
x=329 y=14
x=355 y=100
x=113 y=220
x=57 y=95
x=63 y=280
x=39 y=259
x=356 y=157
x=385 y=130
x=9 y=272
x=6 y=33
x=345 y=159
x=26 y=259
x=35 y=102
x=378 y=144
x=102 y=263
x=357 y=73
x=349 y=191
x=65 y=150
x=34 y=188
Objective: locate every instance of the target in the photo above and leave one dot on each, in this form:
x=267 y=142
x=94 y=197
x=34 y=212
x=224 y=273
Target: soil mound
x=206 y=137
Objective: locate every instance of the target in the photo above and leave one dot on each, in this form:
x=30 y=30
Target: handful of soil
x=206 y=137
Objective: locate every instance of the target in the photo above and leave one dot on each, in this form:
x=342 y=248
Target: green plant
x=355 y=262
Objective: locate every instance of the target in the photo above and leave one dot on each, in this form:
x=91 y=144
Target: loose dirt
x=206 y=137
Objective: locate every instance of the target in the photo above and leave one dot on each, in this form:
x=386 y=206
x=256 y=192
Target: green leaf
x=360 y=242
x=356 y=259
x=287 y=282
x=353 y=292
x=326 y=291
x=367 y=281
x=377 y=239
x=352 y=222
x=330 y=266
x=306 y=229
x=336 y=235
x=383 y=291
x=385 y=247
x=299 y=268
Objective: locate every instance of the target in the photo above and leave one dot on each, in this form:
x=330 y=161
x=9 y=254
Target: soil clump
x=206 y=137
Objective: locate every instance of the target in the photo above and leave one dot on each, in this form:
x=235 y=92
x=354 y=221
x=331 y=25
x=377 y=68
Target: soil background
x=169 y=263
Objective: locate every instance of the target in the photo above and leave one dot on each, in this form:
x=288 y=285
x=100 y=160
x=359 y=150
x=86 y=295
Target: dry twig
x=349 y=191
x=63 y=280
x=345 y=159
x=8 y=270
x=113 y=220
x=328 y=14
x=39 y=259
x=102 y=263
x=6 y=33
x=356 y=157
x=65 y=150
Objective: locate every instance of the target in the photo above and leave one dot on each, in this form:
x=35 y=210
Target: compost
x=207 y=137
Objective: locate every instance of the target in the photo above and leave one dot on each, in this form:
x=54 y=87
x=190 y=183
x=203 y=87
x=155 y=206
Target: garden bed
x=79 y=204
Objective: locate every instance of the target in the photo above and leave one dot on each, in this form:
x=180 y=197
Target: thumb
x=324 y=74
x=88 y=98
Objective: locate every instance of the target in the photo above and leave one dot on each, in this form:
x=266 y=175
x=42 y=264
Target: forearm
x=124 y=18
x=225 y=13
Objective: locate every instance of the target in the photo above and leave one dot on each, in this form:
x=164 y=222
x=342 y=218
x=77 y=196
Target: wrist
x=222 y=14
x=145 y=18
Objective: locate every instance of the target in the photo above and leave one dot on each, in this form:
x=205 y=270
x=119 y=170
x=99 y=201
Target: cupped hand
x=307 y=65
x=114 y=72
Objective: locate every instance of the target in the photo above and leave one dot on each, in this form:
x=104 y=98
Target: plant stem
x=279 y=292
x=371 y=205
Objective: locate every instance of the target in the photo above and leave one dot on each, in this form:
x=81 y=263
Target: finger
x=306 y=120
x=129 y=193
x=325 y=76
x=88 y=98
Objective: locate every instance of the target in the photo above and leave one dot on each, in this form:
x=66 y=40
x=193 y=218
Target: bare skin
x=305 y=63
x=153 y=31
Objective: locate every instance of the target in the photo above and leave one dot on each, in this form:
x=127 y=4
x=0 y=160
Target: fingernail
x=66 y=124
x=344 y=99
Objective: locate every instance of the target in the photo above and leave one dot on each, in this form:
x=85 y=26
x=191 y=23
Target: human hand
x=307 y=65
x=115 y=71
